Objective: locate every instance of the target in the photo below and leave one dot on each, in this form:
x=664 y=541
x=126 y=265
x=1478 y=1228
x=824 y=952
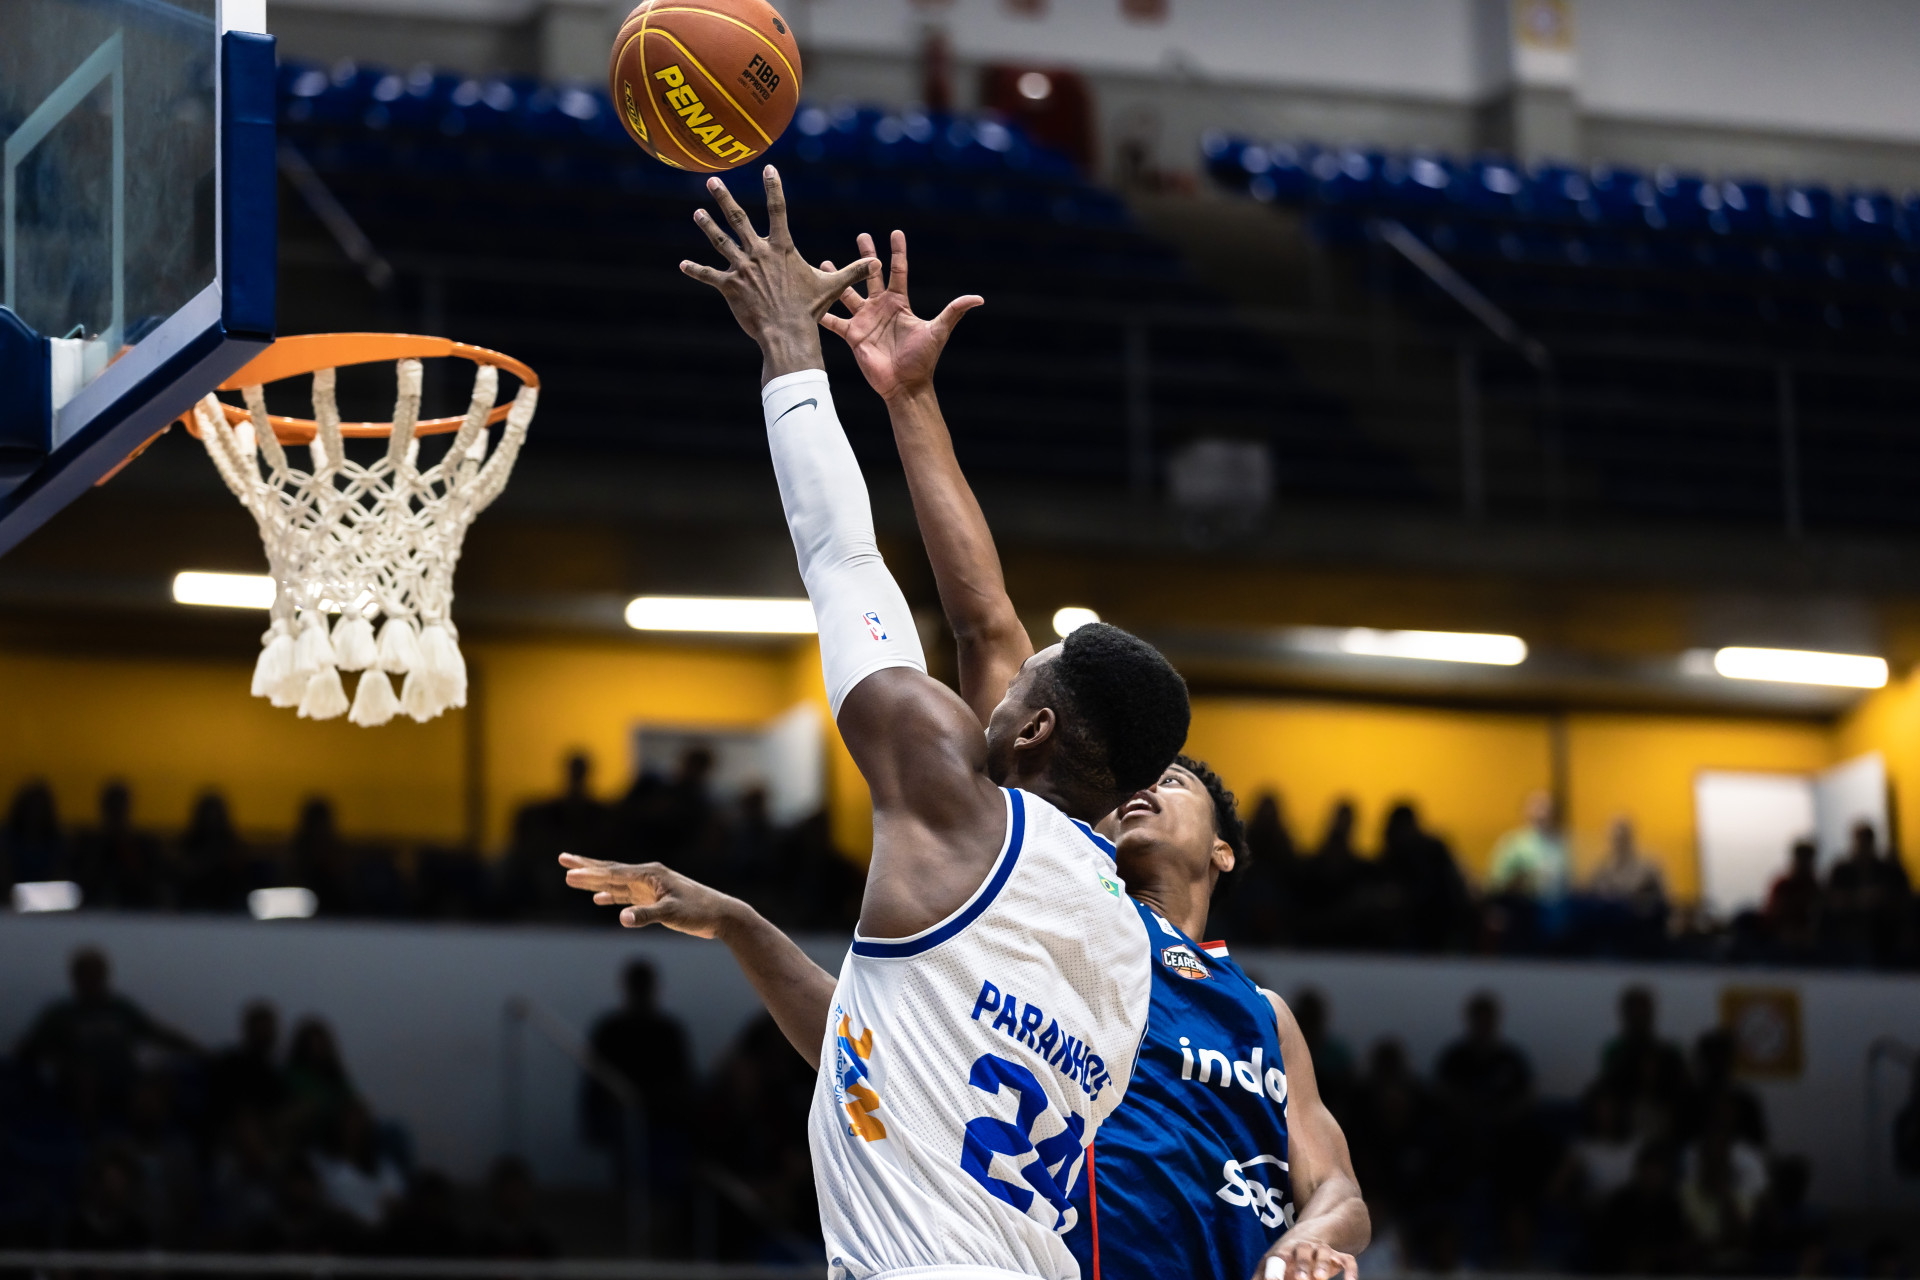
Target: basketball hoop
x=362 y=541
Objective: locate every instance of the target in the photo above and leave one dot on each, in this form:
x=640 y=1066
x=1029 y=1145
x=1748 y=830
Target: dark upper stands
x=522 y=217
x=1618 y=248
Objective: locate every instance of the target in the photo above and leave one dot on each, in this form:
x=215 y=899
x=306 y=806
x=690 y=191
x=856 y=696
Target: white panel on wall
x=1854 y=791
x=1744 y=824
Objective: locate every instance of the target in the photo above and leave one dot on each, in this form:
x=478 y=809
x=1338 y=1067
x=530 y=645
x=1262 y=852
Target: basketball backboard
x=137 y=217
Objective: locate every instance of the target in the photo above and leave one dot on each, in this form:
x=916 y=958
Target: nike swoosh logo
x=803 y=404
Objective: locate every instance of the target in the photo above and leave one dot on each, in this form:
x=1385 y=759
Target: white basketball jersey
x=966 y=1068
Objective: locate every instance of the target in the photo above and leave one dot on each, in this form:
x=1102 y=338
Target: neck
x=1072 y=801
x=1182 y=902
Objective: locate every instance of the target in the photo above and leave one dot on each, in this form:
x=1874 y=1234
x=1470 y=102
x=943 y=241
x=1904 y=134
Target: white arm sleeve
x=864 y=622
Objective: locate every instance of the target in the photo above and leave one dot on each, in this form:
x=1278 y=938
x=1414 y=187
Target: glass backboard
x=136 y=195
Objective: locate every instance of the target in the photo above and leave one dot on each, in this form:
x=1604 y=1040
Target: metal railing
x=711 y=1184
x=521 y=1013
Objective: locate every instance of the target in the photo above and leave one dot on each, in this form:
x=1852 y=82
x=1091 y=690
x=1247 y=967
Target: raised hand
x=652 y=894
x=896 y=350
x=777 y=297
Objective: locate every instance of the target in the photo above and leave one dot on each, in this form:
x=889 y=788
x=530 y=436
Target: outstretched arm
x=897 y=351
x=797 y=992
x=1331 y=1224
x=938 y=819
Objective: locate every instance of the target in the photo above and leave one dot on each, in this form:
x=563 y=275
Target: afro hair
x=1123 y=708
x=1226 y=822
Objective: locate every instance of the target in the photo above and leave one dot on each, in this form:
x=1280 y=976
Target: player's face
x=1015 y=710
x=1167 y=827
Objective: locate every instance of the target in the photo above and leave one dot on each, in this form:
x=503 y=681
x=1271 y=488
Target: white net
x=362 y=543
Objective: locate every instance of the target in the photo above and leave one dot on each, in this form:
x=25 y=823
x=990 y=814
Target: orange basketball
x=705 y=85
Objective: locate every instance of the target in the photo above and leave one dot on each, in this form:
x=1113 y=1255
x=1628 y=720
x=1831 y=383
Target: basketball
x=705 y=87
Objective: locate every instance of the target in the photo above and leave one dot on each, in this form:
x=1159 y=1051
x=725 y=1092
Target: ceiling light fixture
x=224 y=590
x=1435 y=646
x=1802 y=666
x=1071 y=618
x=722 y=614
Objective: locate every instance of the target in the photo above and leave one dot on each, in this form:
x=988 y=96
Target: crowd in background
x=120 y=1132
x=1411 y=895
x=1407 y=893
x=1662 y=1166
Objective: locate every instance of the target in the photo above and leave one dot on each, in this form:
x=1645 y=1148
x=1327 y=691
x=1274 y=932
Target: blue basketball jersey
x=1189 y=1175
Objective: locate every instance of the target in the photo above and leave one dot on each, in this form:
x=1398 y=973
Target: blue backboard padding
x=248 y=270
x=249 y=201
x=26 y=408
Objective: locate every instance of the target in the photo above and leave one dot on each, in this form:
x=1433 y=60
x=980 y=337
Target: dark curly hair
x=1226 y=823
x=1122 y=708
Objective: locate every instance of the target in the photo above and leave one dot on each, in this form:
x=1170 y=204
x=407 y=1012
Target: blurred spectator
x=646 y=1046
x=87 y=1046
x=1485 y=1078
x=356 y=1176
x=247 y=1077
x=108 y=1215
x=1260 y=910
x=1647 y=1074
x=1642 y=1229
x=1868 y=898
x=31 y=847
x=423 y=1223
x=1626 y=876
x=749 y=851
x=1328 y=881
x=815 y=885
x=1431 y=893
x=1719 y=1095
x=509 y=1228
x=163 y=1156
x=753 y=1127
x=212 y=861
x=243 y=1186
x=1906 y=1129
x=1717 y=1206
x=119 y=866
x=1332 y=1060
x=1601 y=1158
x=1402 y=1145
x=318 y=1088
x=1531 y=861
x=306 y=1221
x=572 y=822
x=1794 y=902
x=1788 y=1234
x=649 y=1049
x=321 y=860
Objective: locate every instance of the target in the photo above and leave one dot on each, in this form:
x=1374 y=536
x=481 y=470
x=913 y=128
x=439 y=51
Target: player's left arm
x=1331 y=1224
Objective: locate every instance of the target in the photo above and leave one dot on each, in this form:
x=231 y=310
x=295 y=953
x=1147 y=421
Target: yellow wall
x=1468 y=771
x=1888 y=721
x=172 y=727
x=1642 y=767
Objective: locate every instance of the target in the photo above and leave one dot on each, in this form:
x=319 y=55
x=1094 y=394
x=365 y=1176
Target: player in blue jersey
x=1223 y=1155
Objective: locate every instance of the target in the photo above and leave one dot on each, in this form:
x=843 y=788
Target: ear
x=1037 y=730
x=1222 y=857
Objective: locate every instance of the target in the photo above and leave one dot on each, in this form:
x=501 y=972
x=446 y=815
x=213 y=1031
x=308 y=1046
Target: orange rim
x=308 y=352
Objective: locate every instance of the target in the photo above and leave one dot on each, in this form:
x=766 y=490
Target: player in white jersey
x=988 y=1014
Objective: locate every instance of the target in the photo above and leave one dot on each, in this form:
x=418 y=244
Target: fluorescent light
x=226 y=590
x=30 y=896
x=1436 y=646
x=1802 y=666
x=288 y=903
x=721 y=613
x=1072 y=618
